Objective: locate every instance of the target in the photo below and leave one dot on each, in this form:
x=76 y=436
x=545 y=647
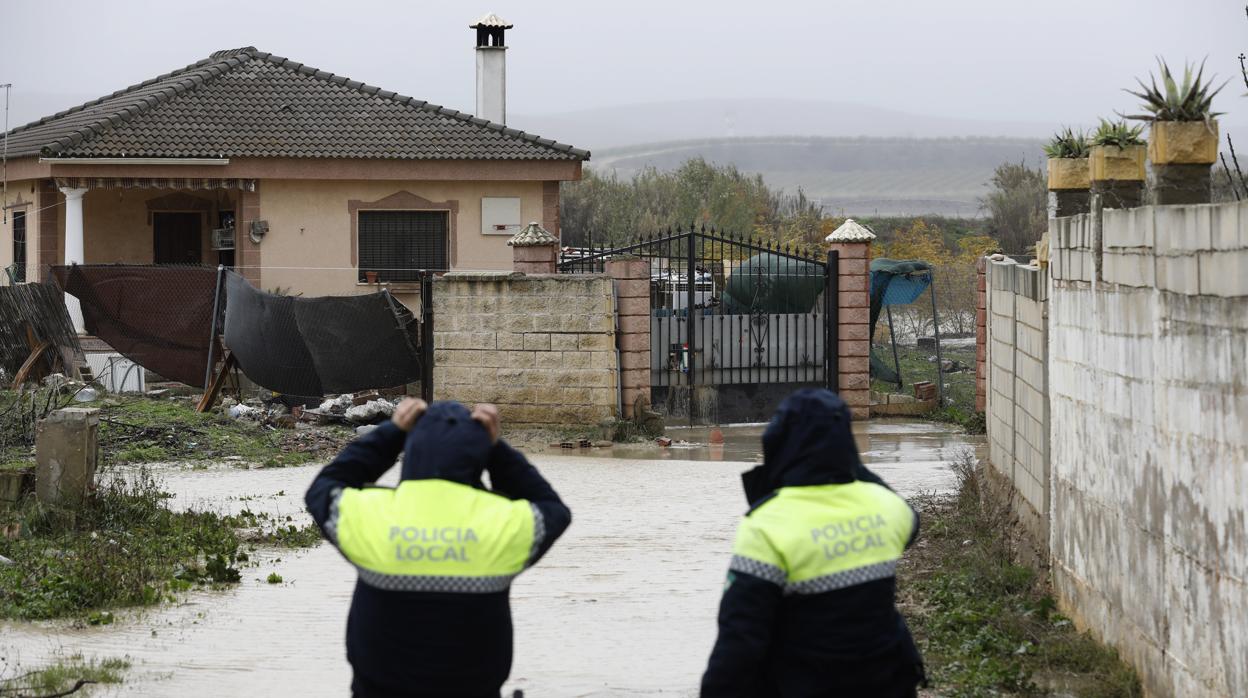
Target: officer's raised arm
x=364 y=460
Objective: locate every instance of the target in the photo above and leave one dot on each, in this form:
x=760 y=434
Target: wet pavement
x=623 y=605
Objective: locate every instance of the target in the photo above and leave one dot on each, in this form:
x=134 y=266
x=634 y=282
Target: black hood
x=807 y=442
x=446 y=444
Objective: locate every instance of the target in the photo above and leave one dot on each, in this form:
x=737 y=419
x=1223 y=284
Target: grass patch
x=987 y=625
x=142 y=430
x=65 y=675
x=917 y=366
x=124 y=547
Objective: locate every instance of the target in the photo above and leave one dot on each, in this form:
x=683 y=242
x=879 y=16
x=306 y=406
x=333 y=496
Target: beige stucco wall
x=308 y=247
x=117 y=229
x=25 y=194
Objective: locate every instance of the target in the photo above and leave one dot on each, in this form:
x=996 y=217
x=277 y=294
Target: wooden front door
x=176 y=238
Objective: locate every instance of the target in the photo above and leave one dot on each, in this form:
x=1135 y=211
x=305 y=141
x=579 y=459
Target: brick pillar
x=550 y=208
x=49 y=235
x=981 y=334
x=247 y=253
x=853 y=242
x=534 y=250
x=632 y=288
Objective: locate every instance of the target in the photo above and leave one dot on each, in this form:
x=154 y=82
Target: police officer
x=808 y=608
x=435 y=556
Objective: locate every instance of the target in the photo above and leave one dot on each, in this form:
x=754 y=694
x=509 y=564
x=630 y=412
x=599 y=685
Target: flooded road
x=623 y=605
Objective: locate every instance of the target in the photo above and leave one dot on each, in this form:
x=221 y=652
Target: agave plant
x=1117 y=133
x=1190 y=101
x=1067 y=143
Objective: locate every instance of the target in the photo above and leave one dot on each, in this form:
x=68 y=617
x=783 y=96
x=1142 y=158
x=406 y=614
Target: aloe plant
x=1117 y=133
x=1067 y=143
x=1190 y=101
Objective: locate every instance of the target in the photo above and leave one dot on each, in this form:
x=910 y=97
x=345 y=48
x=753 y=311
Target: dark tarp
x=772 y=283
x=309 y=347
x=39 y=308
x=159 y=317
x=894 y=282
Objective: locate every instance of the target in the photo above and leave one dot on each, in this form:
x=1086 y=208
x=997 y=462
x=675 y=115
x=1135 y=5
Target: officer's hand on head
x=487 y=415
x=408 y=411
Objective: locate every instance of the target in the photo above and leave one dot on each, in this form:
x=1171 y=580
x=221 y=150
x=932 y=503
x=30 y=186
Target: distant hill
x=853 y=176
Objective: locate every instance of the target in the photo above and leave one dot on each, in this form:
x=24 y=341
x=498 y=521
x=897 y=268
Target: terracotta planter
x=1109 y=162
x=370 y=277
x=1067 y=174
x=1183 y=143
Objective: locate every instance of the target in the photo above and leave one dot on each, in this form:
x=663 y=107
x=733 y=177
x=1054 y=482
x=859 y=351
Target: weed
x=274 y=578
x=63 y=675
x=986 y=624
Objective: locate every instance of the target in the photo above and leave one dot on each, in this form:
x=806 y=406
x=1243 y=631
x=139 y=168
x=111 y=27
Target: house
x=299 y=178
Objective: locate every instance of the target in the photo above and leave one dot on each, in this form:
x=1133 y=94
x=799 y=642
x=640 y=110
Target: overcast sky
x=996 y=60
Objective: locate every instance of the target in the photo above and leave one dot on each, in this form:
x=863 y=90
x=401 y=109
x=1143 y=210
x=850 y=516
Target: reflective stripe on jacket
x=435 y=536
x=819 y=538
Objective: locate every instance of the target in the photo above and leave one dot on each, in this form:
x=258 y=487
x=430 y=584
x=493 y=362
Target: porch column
x=74 y=246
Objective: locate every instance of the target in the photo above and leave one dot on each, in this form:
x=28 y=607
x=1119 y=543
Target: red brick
x=981 y=318
x=635 y=342
x=853 y=364
x=855 y=316
x=981 y=354
x=982 y=283
x=852 y=266
x=851 y=250
x=853 y=299
x=635 y=324
x=855 y=381
x=981 y=403
x=634 y=360
x=855 y=332
x=632 y=288
x=634 y=306
x=853 y=347
x=853 y=282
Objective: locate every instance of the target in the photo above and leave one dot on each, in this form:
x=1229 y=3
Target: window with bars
x=398 y=244
x=19 y=246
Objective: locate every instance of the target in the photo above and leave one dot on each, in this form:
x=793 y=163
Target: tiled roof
x=247 y=103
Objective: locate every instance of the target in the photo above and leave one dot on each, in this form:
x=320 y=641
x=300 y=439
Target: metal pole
x=832 y=323
x=8 y=87
x=426 y=336
x=691 y=332
x=940 y=375
x=892 y=338
x=212 y=337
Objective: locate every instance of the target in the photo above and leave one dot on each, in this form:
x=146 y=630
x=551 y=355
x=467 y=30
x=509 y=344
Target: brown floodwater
x=623 y=605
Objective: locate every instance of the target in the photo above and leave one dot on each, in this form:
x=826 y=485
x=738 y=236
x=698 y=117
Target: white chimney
x=491 y=68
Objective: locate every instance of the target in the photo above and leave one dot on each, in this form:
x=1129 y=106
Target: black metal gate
x=735 y=323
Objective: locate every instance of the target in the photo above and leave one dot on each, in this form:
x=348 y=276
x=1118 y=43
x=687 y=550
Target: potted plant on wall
x=1117 y=164
x=1182 y=135
x=1068 y=171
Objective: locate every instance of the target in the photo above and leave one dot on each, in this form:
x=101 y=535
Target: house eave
x=185 y=162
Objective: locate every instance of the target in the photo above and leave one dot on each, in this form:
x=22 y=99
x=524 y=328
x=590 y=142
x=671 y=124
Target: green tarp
x=771 y=283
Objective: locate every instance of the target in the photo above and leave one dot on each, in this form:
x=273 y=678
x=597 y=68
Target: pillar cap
x=532 y=235
x=851 y=231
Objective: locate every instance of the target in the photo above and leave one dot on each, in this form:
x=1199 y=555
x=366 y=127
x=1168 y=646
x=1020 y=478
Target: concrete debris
x=370 y=412
x=245 y=412
x=337 y=405
x=362 y=430
x=6 y=562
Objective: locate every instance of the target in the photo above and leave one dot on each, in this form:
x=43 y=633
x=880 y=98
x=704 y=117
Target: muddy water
x=624 y=605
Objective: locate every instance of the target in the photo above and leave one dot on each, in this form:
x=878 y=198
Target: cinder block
x=1129 y=268
x=858 y=267
x=635 y=324
x=852 y=282
x=1227 y=224
x=634 y=342
x=1125 y=228
x=1224 y=273
x=853 y=364
x=635 y=306
x=853 y=348
x=1183 y=229
x=853 y=299
x=855 y=316
x=564 y=342
x=537 y=341
x=1179 y=274
x=595 y=342
x=65 y=455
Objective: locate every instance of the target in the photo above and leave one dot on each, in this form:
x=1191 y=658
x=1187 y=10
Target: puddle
x=634 y=584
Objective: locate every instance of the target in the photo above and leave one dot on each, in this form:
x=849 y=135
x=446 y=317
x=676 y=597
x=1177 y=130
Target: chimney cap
x=490 y=21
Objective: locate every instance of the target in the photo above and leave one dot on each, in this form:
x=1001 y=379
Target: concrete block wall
x=1016 y=404
x=541 y=347
x=1148 y=397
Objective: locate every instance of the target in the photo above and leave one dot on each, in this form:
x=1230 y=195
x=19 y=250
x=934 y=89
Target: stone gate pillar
x=853 y=242
x=632 y=286
x=981 y=334
x=534 y=250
